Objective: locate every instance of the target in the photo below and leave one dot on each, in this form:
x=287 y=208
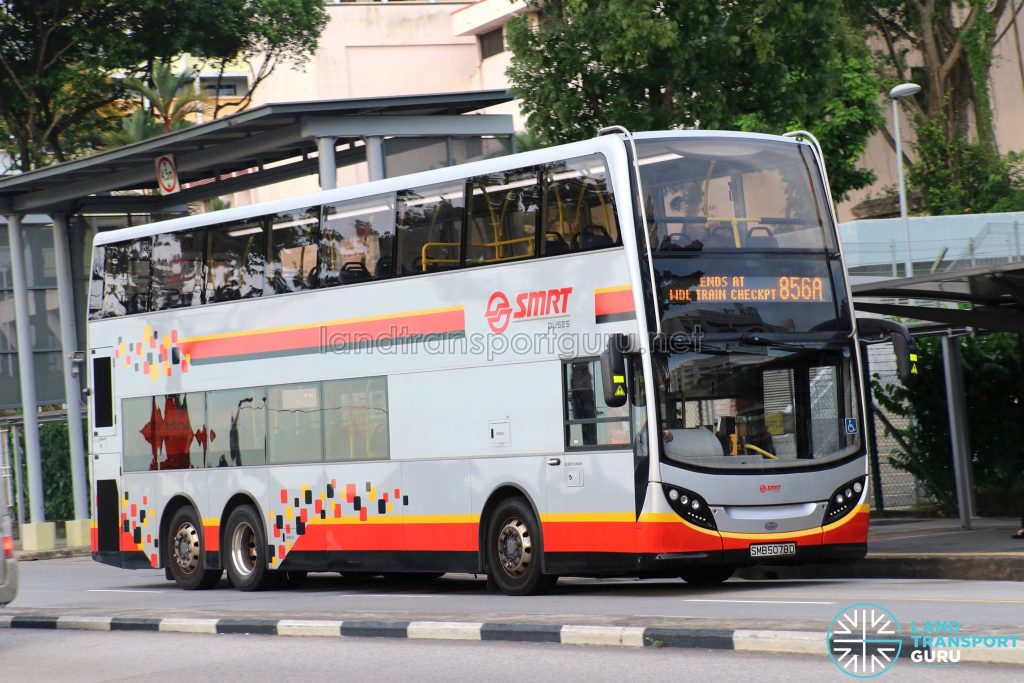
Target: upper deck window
x=430 y=228
x=178 y=269
x=236 y=261
x=579 y=209
x=294 y=239
x=728 y=194
x=503 y=217
x=357 y=241
x=126 y=278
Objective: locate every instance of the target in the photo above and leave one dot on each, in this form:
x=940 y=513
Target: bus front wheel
x=514 y=550
x=246 y=546
x=186 y=552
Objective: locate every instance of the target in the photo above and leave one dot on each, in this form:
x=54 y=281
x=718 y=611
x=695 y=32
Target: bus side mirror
x=613 y=370
x=877 y=330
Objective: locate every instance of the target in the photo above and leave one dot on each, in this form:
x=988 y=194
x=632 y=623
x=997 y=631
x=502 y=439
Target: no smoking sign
x=167 y=174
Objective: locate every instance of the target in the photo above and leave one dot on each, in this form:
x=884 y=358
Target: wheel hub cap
x=515 y=548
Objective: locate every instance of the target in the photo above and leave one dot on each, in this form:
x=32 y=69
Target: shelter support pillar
x=38 y=534
x=325 y=160
x=963 y=479
x=77 y=530
x=375 y=156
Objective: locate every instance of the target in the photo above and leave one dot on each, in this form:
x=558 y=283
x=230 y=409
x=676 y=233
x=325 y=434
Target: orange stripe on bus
x=615 y=301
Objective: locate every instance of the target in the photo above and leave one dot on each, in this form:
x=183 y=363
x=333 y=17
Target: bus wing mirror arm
x=613 y=370
x=878 y=330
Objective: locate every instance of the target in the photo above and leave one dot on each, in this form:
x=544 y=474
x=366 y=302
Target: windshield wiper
x=754 y=340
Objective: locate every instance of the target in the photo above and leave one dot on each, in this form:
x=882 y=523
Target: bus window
x=138 y=417
x=503 y=212
x=180 y=438
x=590 y=422
x=357 y=424
x=430 y=228
x=236 y=427
x=96 y=280
x=579 y=210
x=178 y=269
x=357 y=242
x=293 y=434
x=235 y=261
x=126 y=278
x=294 y=238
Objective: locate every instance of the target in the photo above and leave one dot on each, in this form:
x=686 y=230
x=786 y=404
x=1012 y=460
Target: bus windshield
x=747 y=404
x=725 y=193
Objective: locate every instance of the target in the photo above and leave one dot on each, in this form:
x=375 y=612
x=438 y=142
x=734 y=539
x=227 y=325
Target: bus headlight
x=843 y=500
x=690 y=506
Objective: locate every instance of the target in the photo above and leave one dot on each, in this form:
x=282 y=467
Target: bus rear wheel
x=707 y=576
x=514 y=550
x=186 y=552
x=246 y=551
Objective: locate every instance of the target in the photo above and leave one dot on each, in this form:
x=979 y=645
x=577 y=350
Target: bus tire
x=514 y=550
x=186 y=552
x=707 y=576
x=245 y=555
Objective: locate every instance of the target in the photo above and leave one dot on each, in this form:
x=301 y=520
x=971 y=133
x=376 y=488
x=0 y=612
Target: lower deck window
x=589 y=420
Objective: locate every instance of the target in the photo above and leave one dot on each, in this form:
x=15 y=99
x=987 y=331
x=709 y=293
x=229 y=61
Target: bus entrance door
x=105 y=453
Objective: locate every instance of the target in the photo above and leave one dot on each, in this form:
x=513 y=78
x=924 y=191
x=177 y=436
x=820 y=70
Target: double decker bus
x=633 y=355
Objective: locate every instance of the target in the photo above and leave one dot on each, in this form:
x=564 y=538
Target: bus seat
x=591 y=237
x=761 y=237
x=555 y=244
x=699 y=442
x=721 y=237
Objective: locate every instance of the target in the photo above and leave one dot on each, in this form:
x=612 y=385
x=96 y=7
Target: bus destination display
x=747 y=288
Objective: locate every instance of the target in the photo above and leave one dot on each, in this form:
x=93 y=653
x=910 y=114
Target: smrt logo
x=771 y=488
x=541 y=303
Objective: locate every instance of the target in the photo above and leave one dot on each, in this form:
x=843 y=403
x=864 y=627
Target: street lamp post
x=900 y=91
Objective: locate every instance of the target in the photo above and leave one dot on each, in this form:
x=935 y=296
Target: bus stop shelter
x=250 y=149
x=989 y=298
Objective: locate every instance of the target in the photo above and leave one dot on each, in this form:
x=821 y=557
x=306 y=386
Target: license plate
x=773 y=549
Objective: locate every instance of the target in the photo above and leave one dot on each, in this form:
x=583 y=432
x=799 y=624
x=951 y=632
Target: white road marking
x=123 y=590
x=765 y=602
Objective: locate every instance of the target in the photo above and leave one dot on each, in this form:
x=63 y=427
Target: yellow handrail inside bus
x=762 y=451
x=426 y=260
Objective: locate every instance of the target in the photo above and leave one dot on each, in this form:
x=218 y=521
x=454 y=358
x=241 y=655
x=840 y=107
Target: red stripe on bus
x=326 y=337
x=853 y=530
x=211 y=537
x=608 y=303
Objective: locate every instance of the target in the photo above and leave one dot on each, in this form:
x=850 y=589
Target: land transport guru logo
x=533 y=305
x=865 y=640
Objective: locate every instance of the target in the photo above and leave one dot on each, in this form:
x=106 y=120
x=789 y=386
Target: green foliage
x=994 y=387
x=654 y=64
x=956 y=176
x=137 y=126
x=173 y=97
x=58 y=503
x=62 y=62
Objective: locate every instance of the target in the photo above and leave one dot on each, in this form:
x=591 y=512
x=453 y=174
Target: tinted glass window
x=591 y=422
x=430 y=228
x=503 y=213
x=176 y=430
x=294 y=239
x=102 y=398
x=579 y=209
x=96 y=281
x=732 y=194
x=235 y=261
x=140 y=418
x=358 y=240
x=126 y=278
x=295 y=423
x=356 y=419
x=178 y=269
x=237 y=427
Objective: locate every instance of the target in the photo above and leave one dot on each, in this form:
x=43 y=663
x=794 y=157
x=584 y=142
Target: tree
x=63 y=62
x=656 y=64
x=947 y=47
x=173 y=97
